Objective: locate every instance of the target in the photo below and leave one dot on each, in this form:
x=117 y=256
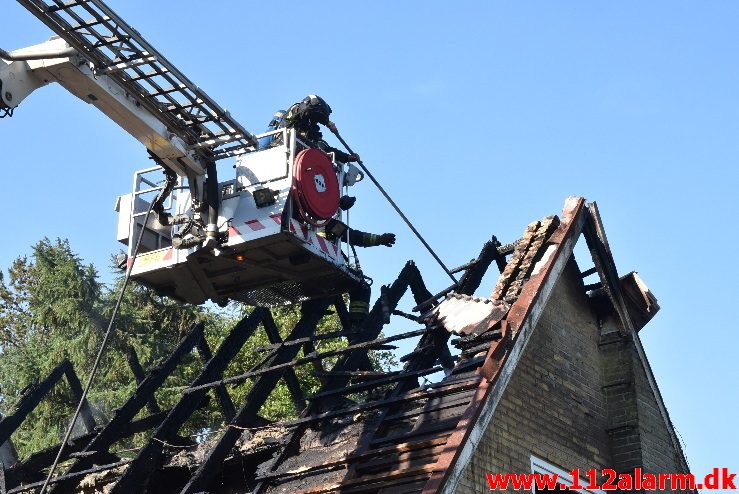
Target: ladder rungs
x=64 y=6
x=153 y=73
x=167 y=91
x=110 y=41
x=118 y=50
x=191 y=121
x=218 y=140
x=190 y=112
x=184 y=107
x=90 y=23
x=129 y=64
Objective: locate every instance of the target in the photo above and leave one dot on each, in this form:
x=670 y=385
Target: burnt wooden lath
x=390 y=428
x=365 y=430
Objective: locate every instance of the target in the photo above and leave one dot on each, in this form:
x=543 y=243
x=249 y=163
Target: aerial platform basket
x=272 y=256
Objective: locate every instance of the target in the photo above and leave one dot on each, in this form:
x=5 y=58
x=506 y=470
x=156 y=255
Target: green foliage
x=53 y=307
x=47 y=313
x=280 y=405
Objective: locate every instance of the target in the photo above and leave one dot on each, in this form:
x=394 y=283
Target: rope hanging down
x=397 y=209
x=99 y=357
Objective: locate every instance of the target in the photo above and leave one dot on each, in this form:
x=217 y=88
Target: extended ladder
x=117 y=50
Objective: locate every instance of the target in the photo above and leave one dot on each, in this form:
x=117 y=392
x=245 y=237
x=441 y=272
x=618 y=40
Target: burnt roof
x=365 y=430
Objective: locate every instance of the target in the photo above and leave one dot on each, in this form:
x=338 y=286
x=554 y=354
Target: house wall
x=658 y=453
x=553 y=407
x=639 y=437
x=576 y=399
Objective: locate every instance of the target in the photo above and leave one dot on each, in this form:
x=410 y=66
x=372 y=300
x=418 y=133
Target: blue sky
x=478 y=117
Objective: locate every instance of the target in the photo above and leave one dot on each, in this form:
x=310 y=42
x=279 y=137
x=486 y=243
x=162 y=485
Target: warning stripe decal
x=308 y=235
x=322 y=243
x=255 y=225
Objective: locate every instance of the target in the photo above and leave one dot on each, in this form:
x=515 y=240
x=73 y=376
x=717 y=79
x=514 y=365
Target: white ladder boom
x=119 y=53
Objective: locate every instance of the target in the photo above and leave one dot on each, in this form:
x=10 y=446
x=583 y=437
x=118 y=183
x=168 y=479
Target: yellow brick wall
x=555 y=405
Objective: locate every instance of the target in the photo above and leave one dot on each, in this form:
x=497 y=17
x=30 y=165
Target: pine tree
x=52 y=307
x=47 y=313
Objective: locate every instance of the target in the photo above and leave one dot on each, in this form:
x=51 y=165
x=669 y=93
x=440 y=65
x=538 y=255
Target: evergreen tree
x=47 y=313
x=52 y=307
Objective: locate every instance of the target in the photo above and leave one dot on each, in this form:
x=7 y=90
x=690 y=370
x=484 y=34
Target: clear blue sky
x=478 y=117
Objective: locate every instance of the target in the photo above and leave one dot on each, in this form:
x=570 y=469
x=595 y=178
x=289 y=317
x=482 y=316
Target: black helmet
x=316 y=108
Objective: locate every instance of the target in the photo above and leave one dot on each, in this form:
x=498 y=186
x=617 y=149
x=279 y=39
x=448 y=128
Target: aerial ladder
x=270 y=234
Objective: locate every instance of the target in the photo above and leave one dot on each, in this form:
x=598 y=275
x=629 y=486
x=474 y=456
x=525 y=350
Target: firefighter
x=359 y=298
x=305 y=117
x=274 y=124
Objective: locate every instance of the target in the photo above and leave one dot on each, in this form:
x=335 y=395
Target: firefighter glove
x=387 y=239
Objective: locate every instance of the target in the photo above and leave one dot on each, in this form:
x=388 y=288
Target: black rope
x=397 y=209
x=99 y=357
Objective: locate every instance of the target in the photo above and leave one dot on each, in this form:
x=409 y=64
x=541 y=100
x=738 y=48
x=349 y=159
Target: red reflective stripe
x=255 y=225
x=322 y=243
x=277 y=218
x=168 y=255
x=232 y=231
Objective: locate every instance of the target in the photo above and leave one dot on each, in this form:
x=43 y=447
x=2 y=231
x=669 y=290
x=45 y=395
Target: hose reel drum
x=315 y=187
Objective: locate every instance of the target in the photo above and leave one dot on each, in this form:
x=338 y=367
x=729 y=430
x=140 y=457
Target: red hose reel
x=315 y=186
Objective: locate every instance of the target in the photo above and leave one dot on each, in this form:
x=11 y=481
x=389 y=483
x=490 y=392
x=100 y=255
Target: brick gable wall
x=576 y=399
